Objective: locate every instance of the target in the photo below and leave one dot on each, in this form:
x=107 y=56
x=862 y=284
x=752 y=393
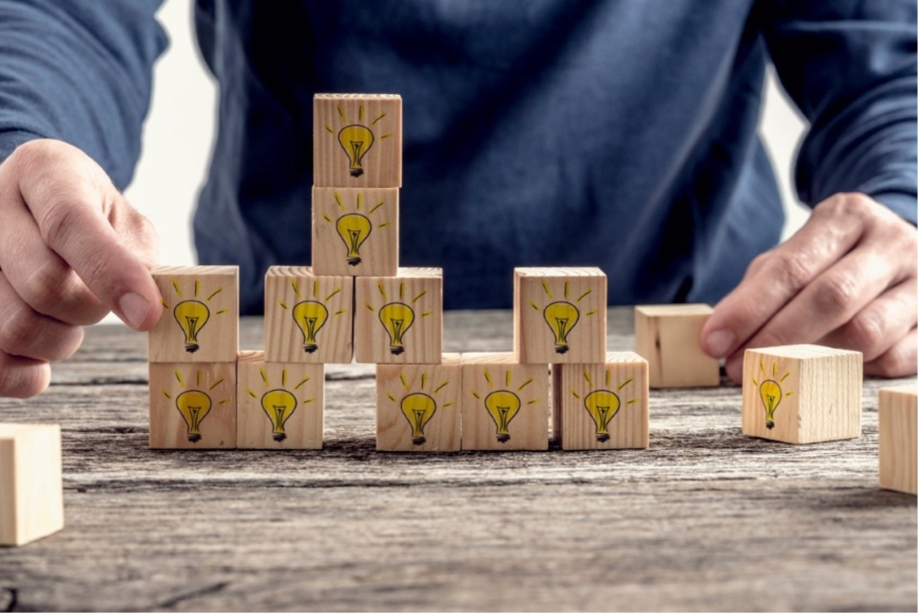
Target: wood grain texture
x=357 y=140
x=400 y=320
x=706 y=519
x=31 y=492
x=308 y=318
x=418 y=407
x=602 y=406
x=504 y=404
x=355 y=231
x=192 y=406
x=668 y=336
x=279 y=406
x=560 y=315
x=814 y=393
x=897 y=438
x=201 y=310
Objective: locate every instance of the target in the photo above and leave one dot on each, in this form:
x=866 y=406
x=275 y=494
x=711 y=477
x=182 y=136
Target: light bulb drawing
x=603 y=404
x=356 y=140
x=771 y=392
x=353 y=224
x=279 y=403
x=310 y=315
x=562 y=315
x=418 y=405
x=354 y=230
x=397 y=316
x=192 y=314
x=194 y=403
x=503 y=403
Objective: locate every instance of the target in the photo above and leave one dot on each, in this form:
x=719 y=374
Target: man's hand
x=847 y=279
x=71 y=250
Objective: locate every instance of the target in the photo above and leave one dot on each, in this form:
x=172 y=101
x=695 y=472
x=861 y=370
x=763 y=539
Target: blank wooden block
x=355 y=231
x=193 y=406
x=279 y=406
x=418 y=407
x=560 y=315
x=308 y=318
x=669 y=338
x=399 y=320
x=504 y=404
x=200 y=321
x=31 y=493
x=602 y=406
x=802 y=393
x=897 y=438
x=357 y=140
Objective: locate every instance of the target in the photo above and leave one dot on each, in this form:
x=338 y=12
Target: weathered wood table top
x=706 y=519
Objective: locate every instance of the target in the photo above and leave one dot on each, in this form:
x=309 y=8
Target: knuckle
x=856 y=205
x=30 y=155
x=836 y=294
x=20 y=330
x=42 y=289
x=793 y=269
x=866 y=333
x=57 y=220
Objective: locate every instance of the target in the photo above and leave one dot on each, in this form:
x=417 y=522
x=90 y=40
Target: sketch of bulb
x=771 y=394
x=397 y=318
x=354 y=230
x=191 y=315
x=561 y=318
x=193 y=405
x=602 y=405
x=356 y=140
x=310 y=317
x=418 y=408
x=279 y=405
x=502 y=406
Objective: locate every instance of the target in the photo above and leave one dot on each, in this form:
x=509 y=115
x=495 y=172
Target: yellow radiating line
x=534 y=401
x=427 y=314
x=302 y=381
x=383 y=292
x=333 y=294
x=402 y=377
x=227 y=401
x=198 y=379
x=309 y=400
x=376 y=207
x=282 y=304
x=223 y=311
x=591 y=313
x=441 y=386
x=507 y=378
x=378 y=118
x=565 y=292
x=176 y=287
x=265 y=378
x=448 y=404
x=179 y=378
x=754 y=381
x=534 y=306
x=583 y=295
x=762 y=369
x=633 y=401
x=360 y=113
x=788 y=393
x=424 y=379
x=315 y=287
x=546 y=290
x=587 y=376
x=211 y=296
x=475 y=395
x=607 y=378
x=342 y=113
x=391 y=397
x=326 y=216
x=338 y=199
x=197 y=287
x=402 y=290
x=419 y=296
x=167 y=395
x=784 y=377
x=488 y=378
x=358 y=202
x=625 y=383
x=575 y=393
x=338 y=312
x=164 y=304
x=211 y=388
x=296 y=288
x=774 y=369
x=252 y=393
x=387 y=136
x=329 y=128
x=525 y=384
x=283 y=378
x=369 y=307
x=381 y=226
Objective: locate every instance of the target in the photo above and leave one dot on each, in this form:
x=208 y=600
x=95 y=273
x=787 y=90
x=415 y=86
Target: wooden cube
x=504 y=404
x=355 y=231
x=418 y=407
x=399 y=320
x=193 y=406
x=31 y=493
x=279 y=406
x=897 y=438
x=602 y=406
x=308 y=318
x=560 y=315
x=802 y=393
x=357 y=140
x=200 y=321
x=669 y=338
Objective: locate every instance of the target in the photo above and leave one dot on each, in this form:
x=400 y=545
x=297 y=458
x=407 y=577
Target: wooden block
x=193 y=406
x=357 y=140
x=602 y=406
x=418 y=407
x=802 y=393
x=200 y=321
x=279 y=406
x=355 y=231
x=308 y=318
x=560 y=315
x=31 y=493
x=897 y=438
x=504 y=404
x=399 y=320
x=669 y=338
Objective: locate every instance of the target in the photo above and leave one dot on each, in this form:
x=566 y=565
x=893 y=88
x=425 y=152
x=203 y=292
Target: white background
x=181 y=124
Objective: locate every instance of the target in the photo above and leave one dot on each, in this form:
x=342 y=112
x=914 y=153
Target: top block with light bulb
x=357 y=140
x=560 y=315
x=200 y=322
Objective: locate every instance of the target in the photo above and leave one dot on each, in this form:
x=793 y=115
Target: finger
x=900 y=360
x=881 y=324
x=26 y=333
x=21 y=377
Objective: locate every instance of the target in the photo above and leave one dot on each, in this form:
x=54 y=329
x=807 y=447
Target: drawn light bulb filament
x=354 y=229
x=770 y=394
x=279 y=405
x=561 y=317
x=418 y=408
x=310 y=316
x=502 y=407
x=191 y=315
x=602 y=406
x=193 y=405
x=356 y=140
x=397 y=318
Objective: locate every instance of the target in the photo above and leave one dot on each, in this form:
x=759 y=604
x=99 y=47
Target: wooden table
x=704 y=520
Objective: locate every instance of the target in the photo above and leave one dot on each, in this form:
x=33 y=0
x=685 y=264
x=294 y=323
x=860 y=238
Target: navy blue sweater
x=618 y=133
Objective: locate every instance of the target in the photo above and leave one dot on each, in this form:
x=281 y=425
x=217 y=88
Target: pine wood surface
x=706 y=519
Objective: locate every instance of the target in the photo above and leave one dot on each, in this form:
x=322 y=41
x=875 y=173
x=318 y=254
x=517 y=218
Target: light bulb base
x=418 y=440
x=310 y=348
x=191 y=348
x=397 y=350
x=603 y=438
x=770 y=425
x=503 y=438
x=280 y=437
x=562 y=349
x=354 y=261
x=194 y=438
x=356 y=173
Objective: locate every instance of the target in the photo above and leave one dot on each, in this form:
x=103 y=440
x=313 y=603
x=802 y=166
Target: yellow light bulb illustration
x=771 y=394
x=191 y=315
x=279 y=405
x=602 y=405
x=561 y=318
x=310 y=317
x=397 y=318
x=354 y=230
x=502 y=406
x=356 y=140
x=418 y=408
x=193 y=405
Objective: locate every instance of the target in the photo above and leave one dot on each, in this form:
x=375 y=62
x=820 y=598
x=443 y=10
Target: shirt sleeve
x=79 y=71
x=851 y=68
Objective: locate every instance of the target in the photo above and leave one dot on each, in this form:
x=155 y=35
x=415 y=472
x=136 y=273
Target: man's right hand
x=71 y=250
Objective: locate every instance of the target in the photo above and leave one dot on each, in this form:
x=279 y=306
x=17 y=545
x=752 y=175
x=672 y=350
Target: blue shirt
x=617 y=133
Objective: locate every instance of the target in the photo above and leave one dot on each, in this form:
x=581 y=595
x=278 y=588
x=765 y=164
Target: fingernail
x=720 y=342
x=134 y=309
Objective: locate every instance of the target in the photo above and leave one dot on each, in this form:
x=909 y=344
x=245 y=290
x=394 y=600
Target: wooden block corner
x=897 y=438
